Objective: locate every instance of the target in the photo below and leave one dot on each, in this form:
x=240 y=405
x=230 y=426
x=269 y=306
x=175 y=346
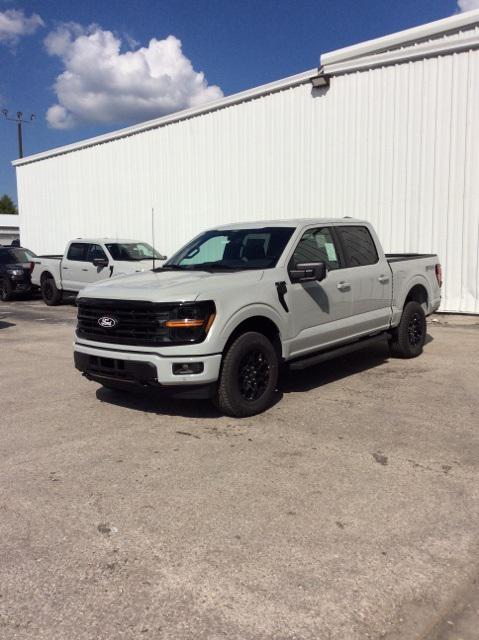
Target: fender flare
x=247 y=312
x=405 y=288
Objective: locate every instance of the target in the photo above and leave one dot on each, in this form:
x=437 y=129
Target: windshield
x=132 y=251
x=16 y=256
x=236 y=249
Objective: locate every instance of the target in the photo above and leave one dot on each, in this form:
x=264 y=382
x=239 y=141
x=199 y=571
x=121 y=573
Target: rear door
x=319 y=311
x=370 y=277
x=74 y=266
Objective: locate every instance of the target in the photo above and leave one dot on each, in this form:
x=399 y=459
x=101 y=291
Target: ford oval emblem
x=107 y=322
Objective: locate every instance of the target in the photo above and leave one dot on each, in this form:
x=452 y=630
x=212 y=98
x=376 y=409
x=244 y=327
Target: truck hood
x=134 y=266
x=170 y=286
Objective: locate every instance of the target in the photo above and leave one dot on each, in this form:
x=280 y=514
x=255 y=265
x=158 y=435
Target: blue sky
x=236 y=44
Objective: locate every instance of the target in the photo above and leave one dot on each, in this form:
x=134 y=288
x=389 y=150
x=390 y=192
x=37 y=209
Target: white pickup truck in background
x=220 y=317
x=88 y=261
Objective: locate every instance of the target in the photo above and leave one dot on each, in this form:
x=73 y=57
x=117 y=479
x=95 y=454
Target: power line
x=20 y=121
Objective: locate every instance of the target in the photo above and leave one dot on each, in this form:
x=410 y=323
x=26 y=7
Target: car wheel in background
x=6 y=290
x=50 y=294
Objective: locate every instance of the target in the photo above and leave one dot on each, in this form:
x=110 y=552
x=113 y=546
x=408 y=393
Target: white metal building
x=393 y=137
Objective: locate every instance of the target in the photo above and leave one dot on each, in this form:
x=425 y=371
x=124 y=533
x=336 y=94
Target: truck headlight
x=190 y=322
x=15 y=272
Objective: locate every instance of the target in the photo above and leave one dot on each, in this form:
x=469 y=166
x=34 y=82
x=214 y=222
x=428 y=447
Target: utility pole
x=20 y=121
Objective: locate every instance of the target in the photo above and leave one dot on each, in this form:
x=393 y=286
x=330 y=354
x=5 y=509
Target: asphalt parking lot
x=350 y=510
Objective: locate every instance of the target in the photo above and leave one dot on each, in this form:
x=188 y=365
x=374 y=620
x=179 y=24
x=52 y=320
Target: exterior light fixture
x=320 y=81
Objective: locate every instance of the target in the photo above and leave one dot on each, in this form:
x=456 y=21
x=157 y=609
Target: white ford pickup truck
x=237 y=302
x=87 y=261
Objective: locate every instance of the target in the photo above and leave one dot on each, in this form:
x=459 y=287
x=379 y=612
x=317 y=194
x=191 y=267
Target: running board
x=309 y=361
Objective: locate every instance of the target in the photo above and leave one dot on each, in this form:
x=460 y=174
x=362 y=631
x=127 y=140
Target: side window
x=78 y=251
x=316 y=245
x=358 y=246
x=96 y=251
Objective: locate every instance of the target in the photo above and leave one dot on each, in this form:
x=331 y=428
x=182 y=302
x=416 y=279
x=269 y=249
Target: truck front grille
x=129 y=322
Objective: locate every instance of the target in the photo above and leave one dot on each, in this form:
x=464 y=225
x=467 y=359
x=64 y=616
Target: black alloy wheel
x=409 y=337
x=253 y=375
x=415 y=330
x=248 y=376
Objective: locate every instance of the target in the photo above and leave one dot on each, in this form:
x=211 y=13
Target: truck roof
x=289 y=222
x=105 y=240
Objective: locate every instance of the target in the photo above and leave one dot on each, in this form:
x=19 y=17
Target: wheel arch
x=415 y=289
x=259 y=321
x=46 y=274
x=418 y=293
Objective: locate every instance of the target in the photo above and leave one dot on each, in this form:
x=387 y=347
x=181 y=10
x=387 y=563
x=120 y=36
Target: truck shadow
x=146 y=401
x=337 y=369
x=290 y=382
x=6 y=325
x=334 y=370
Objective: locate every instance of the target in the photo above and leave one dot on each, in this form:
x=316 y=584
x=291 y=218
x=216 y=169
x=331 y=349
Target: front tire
x=50 y=294
x=409 y=337
x=248 y=376
x=6 y=290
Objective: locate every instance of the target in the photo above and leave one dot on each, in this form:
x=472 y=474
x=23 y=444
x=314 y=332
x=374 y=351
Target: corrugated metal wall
x=397 y=145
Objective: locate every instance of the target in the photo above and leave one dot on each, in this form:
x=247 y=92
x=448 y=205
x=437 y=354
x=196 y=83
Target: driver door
x=320 y=311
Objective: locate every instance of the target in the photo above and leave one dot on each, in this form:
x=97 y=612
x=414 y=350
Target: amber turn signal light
x=184 y=323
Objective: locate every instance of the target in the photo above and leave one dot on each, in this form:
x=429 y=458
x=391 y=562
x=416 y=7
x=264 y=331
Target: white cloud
x=102 y=84
x=14 y=24
x=468 y=5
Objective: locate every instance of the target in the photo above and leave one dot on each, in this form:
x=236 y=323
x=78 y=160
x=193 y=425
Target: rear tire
x=409 y=337
x=6 y=290
x=248 y=376
x=50 y=294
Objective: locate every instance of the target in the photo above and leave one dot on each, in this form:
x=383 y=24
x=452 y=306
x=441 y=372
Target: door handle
x=64 y=267
x=343 y=286
x=84 y=269
x=383 y=279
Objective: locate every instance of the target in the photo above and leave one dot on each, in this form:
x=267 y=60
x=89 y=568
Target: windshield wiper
x=169 y=267
x=204 y=266
x=213 y=266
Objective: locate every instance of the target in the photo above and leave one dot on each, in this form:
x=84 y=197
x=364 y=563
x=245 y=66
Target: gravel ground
x=348 y=511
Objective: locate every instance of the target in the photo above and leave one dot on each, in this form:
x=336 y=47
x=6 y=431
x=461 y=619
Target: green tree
x=7 y=205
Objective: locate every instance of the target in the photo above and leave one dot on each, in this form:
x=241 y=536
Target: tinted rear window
x=78 y=251
x=358 y=246
x=15 y=256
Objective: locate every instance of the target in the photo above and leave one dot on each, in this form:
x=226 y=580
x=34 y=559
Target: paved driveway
x=348 y=511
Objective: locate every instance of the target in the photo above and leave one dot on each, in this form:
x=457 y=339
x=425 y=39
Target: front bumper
x=144 y=369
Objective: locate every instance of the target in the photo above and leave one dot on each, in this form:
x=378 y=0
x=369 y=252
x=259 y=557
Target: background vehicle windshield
x=16 y=256
x=132 y=251
x=234 y=249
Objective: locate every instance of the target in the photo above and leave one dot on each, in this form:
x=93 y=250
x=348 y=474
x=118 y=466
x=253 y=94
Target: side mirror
x=100 y=262
x=308 y=271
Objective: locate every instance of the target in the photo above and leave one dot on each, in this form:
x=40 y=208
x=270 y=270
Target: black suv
x=16 y=264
